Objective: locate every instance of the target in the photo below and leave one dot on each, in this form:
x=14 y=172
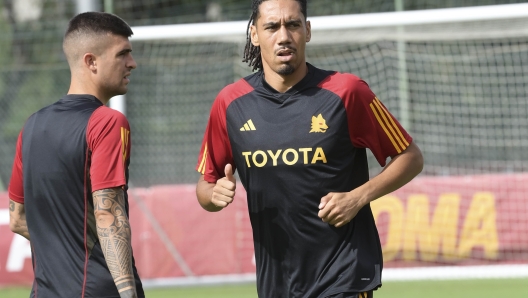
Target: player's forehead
x=278 y=10
x=116 y=42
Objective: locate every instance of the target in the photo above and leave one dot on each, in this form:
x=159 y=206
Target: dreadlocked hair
x=252 y=53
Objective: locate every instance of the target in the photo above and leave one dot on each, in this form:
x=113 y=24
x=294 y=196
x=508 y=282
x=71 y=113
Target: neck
x=283 y=83
x=80 y=86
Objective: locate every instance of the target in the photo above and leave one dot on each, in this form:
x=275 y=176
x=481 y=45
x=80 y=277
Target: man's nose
x=132 y=63
x=284 y=35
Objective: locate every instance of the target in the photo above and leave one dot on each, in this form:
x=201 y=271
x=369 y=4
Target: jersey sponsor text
x=290 y=156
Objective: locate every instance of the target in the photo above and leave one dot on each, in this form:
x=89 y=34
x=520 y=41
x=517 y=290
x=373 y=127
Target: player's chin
x=286 y=69
x=123 y=90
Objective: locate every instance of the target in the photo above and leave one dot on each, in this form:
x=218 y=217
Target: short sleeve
x=215 y=152
x=108 y=137
x=16 y=184
x=372 y=126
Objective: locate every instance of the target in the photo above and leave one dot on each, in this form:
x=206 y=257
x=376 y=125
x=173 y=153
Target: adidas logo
x=248 y=126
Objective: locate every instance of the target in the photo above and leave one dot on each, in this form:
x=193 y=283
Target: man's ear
x=89 y=61
x=308 y=31
x=254 y=35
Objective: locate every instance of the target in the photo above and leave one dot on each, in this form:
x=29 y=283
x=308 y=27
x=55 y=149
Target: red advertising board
x=432 y=221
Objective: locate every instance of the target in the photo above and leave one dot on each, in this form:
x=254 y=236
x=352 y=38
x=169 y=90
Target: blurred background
x=459 y=87
x=465 y=96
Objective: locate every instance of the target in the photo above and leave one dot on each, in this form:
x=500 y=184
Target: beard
x=286 y=69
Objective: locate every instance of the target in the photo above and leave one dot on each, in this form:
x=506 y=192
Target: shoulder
x=337 y=81
x=347 y=86
x=232 y=92
x=106 y=124
x=107 y=116
x=109 y=113
x=235 y=90
x=42 y=111
x=36 y=118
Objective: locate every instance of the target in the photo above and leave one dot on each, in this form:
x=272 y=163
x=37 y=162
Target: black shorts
x=369 y=294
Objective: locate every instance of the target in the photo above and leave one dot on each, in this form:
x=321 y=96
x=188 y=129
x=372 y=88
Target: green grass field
x=484 y=288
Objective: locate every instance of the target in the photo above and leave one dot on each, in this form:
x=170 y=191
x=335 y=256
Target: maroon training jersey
x=65 y=152
x=291 y=149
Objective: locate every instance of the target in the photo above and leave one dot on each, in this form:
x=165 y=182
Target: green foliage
x=6 y=38
x=37 y=91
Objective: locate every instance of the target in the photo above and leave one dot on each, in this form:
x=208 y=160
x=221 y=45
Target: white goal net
x=457 y=79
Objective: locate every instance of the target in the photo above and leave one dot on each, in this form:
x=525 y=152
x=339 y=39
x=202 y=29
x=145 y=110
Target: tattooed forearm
x=17 y=219
x=113 y=229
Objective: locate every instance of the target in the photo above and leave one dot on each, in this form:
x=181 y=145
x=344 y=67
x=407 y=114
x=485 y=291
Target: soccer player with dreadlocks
x=298 y=137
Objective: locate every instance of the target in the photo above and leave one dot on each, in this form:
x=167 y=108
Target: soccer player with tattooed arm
x=68 y=188
x=297 y=135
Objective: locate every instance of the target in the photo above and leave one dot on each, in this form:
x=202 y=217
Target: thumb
x=325 y=200
x=229 y=172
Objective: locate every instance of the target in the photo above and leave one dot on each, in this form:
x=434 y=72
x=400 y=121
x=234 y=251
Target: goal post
x=465 y=75
x=235 y=30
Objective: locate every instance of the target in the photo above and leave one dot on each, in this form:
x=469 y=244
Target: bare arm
x=216 y=196
x=113 y=229
x=339 y=208
x=400 y=170
x=17 y=219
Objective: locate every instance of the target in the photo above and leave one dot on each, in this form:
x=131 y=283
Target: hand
x=338 y=208
x=224 y=190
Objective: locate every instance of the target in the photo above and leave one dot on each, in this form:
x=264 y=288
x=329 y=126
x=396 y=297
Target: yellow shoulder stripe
x=385 y=116
x=125 y=137
x=389 y=126
x=201 y=168
x=384 y=128
x=393 y=123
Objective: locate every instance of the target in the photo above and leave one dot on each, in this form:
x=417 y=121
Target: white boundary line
x=455 y=272
x=389 y=275
x=382 y=19
x=206 y=280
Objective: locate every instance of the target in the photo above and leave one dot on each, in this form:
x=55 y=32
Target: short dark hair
x=251 y=52
x=87 y=26
x=98 y=23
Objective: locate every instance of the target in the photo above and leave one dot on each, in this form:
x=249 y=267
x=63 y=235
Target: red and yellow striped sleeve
x=389 y=125
x=215 y=151
x=202 y=160
x=372 y=126
x=370 y=123
x=109 y=140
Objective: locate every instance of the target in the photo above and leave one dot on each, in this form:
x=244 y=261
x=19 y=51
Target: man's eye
x=271 y=27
